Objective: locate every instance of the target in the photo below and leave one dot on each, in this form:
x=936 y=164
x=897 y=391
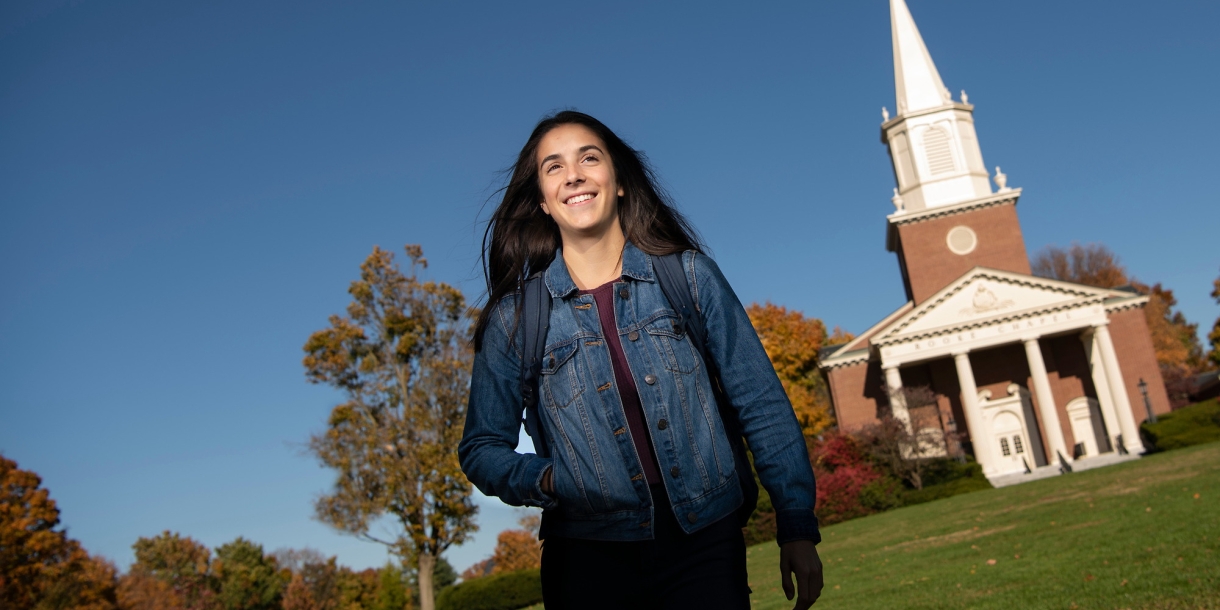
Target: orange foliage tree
x=40 y=566
x=1214 y=336
x=170 y=569
x=792 y=342
x=516 y=549
x=319 y=583
x=1175 y=340
x=402 y=359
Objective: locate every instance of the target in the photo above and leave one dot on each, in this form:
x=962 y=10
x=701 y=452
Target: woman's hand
x=548 y=483
x=800 y=557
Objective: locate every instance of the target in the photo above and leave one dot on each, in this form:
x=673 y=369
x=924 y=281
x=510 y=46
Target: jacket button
x=675 y=471
x=692 y=517
x=622 y=292
x=633 y=335
x=663 y=424
x=650 y=379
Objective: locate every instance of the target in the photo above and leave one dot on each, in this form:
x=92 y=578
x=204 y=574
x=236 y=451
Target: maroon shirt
x=604 y=297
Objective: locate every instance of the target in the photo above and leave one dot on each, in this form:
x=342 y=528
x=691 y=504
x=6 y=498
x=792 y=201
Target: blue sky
x=187 y=189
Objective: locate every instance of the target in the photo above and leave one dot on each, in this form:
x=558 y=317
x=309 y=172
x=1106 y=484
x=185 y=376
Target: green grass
x=1143 y=534
x=1193 y=425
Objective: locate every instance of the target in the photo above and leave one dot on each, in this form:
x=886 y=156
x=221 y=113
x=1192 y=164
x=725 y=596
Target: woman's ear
x=545 y=210
x=621 y=192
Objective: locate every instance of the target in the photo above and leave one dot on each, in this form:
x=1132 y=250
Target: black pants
x=674 y=570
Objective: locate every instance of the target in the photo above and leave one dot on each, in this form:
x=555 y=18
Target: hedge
x=498 y=592
x=1199 y=423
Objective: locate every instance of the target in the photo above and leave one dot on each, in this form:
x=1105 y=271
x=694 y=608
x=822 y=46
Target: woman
x=640 y=490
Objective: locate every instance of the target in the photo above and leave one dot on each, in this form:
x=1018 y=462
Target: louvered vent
x=940 y=152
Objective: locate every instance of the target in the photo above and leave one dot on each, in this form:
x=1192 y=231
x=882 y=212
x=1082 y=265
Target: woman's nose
x=575 y=175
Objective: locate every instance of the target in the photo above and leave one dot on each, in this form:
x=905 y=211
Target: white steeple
x=931 y=139
x=916 y=81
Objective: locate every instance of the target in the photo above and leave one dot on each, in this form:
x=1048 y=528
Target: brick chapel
x=1032 y=376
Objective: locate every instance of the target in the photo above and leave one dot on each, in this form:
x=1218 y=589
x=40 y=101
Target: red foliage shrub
x=842 y=472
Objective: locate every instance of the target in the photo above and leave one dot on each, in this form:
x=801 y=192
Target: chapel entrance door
x=1010 y=442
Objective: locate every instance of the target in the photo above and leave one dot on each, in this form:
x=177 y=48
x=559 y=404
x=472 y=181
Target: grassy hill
x=1143 y=534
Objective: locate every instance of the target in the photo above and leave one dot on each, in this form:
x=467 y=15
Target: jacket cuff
x=536 y=496
x=796 y=524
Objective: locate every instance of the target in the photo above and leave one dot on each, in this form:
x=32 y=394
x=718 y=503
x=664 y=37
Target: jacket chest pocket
x=561 y=376
x=677 y=354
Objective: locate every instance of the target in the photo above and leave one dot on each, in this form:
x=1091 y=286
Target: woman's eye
x=590 y=158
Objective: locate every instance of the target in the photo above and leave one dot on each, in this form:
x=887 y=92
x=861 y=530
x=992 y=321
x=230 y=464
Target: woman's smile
x=581 y=198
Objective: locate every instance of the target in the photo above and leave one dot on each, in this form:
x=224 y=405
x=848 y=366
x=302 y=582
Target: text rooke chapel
x=1036 y=376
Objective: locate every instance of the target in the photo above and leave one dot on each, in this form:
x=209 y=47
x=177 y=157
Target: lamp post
x=1147 y=403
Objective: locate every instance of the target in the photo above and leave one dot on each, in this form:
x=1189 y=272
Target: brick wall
x=1137 y=359
x=856 y=392
x=931 y=265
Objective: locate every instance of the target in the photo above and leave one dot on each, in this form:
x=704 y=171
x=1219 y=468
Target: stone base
x=1045 y=472
x=1105 y=459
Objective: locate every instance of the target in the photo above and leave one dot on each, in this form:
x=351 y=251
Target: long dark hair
x=521 y=239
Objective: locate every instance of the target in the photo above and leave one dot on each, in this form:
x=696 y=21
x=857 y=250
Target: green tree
x=443 y=577
x=392 y=593
x=402 y=358
x=247 y=579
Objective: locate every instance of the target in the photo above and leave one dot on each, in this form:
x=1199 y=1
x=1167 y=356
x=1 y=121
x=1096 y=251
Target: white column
x=898 y=403
x=1046 y=401
x=1118 y=391
x=979 y=430
x=1101 y=385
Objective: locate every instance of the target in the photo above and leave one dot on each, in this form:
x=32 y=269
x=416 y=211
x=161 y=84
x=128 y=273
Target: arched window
x=1004 y=446
x=939 y=151
x=1017 y=444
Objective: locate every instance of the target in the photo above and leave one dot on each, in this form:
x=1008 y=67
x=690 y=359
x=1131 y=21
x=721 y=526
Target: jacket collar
x=636 y=265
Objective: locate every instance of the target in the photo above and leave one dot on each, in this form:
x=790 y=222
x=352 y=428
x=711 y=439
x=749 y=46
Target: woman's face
x=576 y=175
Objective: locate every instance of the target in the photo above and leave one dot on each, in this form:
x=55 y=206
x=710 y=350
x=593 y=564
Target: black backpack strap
x=674 y=284
x=535 y=319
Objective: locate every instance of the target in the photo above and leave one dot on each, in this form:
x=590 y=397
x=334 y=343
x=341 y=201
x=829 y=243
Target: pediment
x=985 y=294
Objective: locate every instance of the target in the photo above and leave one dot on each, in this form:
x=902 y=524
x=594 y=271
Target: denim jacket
x=600 y=492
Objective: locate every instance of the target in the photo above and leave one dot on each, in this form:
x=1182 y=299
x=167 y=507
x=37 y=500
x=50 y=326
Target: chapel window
x=1017 y=444
x=1004 y=447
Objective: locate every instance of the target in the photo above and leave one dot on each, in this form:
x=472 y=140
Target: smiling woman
x=637 y=474
x=579 y=191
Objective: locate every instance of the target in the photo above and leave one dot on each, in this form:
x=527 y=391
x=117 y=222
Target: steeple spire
x=936 y=155
x=916 y=81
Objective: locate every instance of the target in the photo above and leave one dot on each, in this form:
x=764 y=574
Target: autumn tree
x=518 y=549
x=320 y=583
x=182 y=564
x=1214 y=336
x=402 y=359
x=1088 y=264
x=143 y=591
x=792 y=342
x=1174 y=339
x=40 y=566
